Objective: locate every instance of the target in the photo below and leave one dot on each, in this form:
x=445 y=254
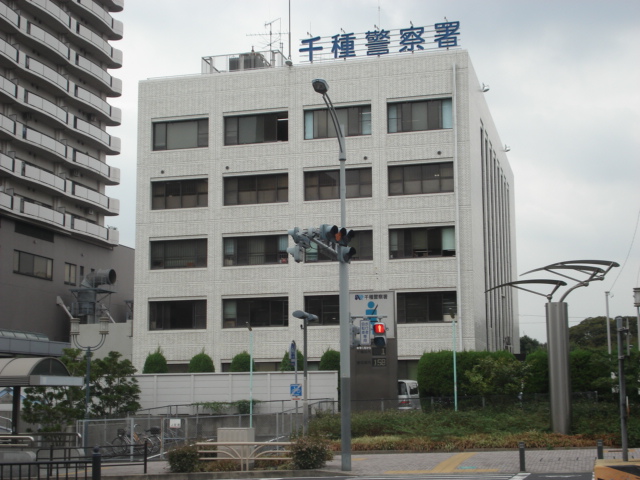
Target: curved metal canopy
x=540 y=281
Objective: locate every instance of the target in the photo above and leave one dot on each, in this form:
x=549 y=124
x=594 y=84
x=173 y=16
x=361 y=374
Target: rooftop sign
x=380 y=42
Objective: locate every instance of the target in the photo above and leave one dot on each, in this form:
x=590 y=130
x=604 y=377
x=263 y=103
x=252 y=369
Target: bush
x=242 y=363
x=330 y=360
x=310 y=452
x=287 y=366
x=183 y=459
x=201 y=363
x=155 y=363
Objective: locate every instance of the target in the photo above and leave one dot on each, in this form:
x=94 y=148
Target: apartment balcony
x=98 y=47
x=113 y=5
x=97 y=17
x=98 y=77
x=46 y=74
x=37 y=38
x=20 y=208
x=110 y=115
x=9 y=19
x=97 y=137
x=56 y=18
x=8 y=54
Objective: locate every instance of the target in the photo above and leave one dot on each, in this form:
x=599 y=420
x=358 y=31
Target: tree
x=155 y=363
x=55 y=408
x=241 y=363
x=201 y=363
x=529 y=345
x=592 y=332
x=497 y=375
x=287 y=366
x=330 y=360
x=116 y=390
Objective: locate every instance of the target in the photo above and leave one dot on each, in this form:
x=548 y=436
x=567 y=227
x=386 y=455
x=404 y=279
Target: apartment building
x=231 y=159
x=55 y=86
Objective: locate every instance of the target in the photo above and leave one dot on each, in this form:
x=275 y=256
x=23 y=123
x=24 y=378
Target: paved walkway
x=481 y=462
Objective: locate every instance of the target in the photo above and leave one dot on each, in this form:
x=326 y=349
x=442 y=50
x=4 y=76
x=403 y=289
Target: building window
x=418 y=116
x=417 y=179
x=255 y=312
x=264 y=128
x=179 y=194
x=325 y=307
x=262 y=250
x=362 y=242
x=190 y=253
x=325 y=185
x=423 y=307
x=252 y=189
x=32 y=265
x=70 y=272
x=178 y=315
x=422 y=242
x=181 y=134
x=353 y=120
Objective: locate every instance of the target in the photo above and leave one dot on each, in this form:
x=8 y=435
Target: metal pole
x=622 y=390
x=606 y=297
x=87 y=399
x=250 y=377
x=559 y=373
x=305 y=394
x=295 y=377
x=455 y=370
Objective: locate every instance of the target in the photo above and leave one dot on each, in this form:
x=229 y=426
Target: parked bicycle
x=127 y=443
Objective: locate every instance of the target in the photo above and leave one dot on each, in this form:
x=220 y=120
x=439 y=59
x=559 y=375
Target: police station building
x=233 y=158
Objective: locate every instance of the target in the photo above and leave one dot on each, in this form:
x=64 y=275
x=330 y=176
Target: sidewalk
x=363 y=464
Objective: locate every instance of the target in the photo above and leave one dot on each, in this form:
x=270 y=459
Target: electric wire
x=633 y=238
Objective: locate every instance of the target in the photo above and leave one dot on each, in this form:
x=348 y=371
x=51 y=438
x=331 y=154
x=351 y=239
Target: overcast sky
x=564 y=81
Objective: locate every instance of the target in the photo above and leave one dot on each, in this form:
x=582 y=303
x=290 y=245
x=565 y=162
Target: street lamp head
x=300 y=314
x=75 y=327
x=104 y=325
x=636 y=297
x=321 y=86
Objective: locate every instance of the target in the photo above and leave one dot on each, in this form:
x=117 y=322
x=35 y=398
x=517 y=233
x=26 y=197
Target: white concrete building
x=55 y=86
x=228 y=161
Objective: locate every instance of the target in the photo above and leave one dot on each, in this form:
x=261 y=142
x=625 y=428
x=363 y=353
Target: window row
x=274 y=126
x=42 y=267
x=318 y=185
x=411 y=307
x=272 y=249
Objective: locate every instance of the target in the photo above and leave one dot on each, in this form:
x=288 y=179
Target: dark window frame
x=362 y=242
x=246 y=251
x=176 y=194
x=24 y=263
x=356 y=121
x=422 y=242
x=424 y=307
x=268 y=128
x=420 y=179
x=325 y=307
x=178 y=315
x=170 y=254
x=408 y=116
x=161 y=134
x=325 y=184
x=70 y=274
x=255 y=312
x=256 y=189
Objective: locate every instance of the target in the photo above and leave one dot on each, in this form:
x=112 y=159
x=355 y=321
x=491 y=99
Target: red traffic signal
x=379 y=328
x=379 y=334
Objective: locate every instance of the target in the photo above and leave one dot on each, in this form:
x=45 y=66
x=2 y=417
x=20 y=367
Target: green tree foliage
x=116 y=390
x=497 y=375
x=529 y=345
x=330 y=360
x=201 y=363
x=592 y=332
x=242 y=363
x=55 y=408
x=287 y=366
x=155 y=363
x=538 y=363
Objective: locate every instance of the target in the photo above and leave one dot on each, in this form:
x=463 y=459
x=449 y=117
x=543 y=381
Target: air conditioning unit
x=75 y=173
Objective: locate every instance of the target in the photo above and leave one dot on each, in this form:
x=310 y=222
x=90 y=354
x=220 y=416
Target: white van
x=408 y=396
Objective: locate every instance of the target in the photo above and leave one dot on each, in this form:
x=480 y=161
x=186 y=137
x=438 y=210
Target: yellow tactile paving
x=450 y=465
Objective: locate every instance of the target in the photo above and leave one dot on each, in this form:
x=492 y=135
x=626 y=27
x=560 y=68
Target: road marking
x=450 y=465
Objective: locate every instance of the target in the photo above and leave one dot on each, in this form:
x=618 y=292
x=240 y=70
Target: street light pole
x=250 y=375
x=75 y=331
x=305 y=317
x=636 y=303
x=321 y=87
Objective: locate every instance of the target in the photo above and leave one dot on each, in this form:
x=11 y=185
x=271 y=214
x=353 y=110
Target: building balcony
x=110 y=115
x=97 y=136
x=98 y=47
x=9 y=18
x=20 y=208
x=97 y=76
x=8 y=54
x=58 y=19
x=36 y=37
x=97 y=17
x=46 y=73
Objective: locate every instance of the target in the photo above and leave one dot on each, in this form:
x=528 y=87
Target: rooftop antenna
x=272 y=40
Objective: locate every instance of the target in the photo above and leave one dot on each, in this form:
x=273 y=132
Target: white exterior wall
x=372 y=81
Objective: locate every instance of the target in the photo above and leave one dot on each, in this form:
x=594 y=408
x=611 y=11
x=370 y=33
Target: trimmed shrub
x=330 y=360
x=201 y=363
x=310 y=452
x=538 y=381
x=183 y=459
x=242 y=363
x=287 y=366
x=155 y=363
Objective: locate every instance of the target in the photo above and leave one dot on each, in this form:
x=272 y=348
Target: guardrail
x=245 y=452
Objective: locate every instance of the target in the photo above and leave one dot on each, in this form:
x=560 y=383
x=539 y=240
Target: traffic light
x=379 y=334
x=345 y=253
x=297 y=252
x=344 y=236
x=328 y=233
